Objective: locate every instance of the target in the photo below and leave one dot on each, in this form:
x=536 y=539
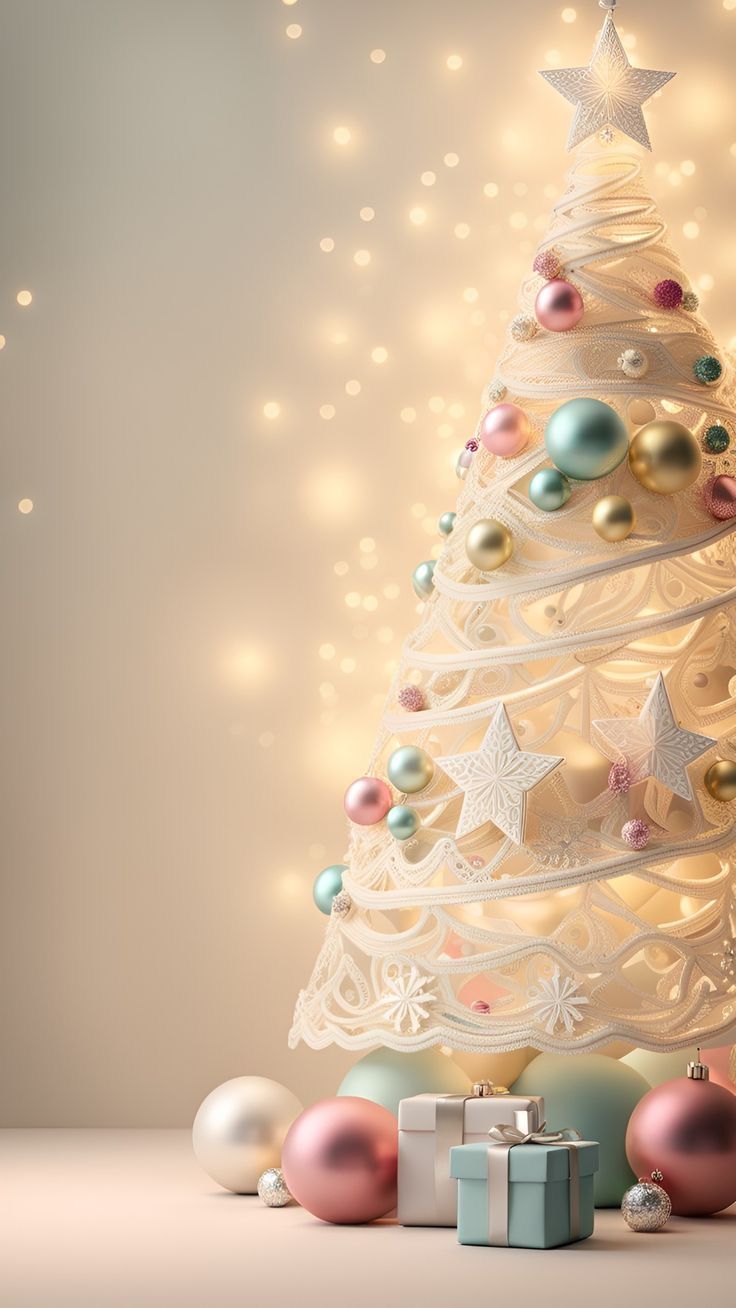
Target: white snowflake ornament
x=406 y=1000
x=556 y=1000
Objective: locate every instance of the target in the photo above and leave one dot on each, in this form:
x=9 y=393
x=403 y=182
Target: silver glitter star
x=609 y=92
x=654 y=745
x=495 y=779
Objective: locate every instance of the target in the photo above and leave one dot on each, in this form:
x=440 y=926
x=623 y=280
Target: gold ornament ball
x=614 y=518
x=488 y=544
x=665 y=457
x=720 y=780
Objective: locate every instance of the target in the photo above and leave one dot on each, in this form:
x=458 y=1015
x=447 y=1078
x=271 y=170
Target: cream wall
x=174 y=741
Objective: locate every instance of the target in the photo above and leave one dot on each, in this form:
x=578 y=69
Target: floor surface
x=126 y=1219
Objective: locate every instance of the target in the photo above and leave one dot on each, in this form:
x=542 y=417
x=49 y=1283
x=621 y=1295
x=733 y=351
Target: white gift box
x=430 y=1126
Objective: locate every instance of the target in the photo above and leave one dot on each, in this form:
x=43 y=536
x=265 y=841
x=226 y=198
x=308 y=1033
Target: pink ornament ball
x=367 y=801
x=719 y=496
x=687 y=1128
x=619 y=779
x=548 y=265
x=668 y=294
x=340 y=1160
x=480 y=1006
x=412 y=699
x=559 y=306
x=636 y=833
x=506 y=430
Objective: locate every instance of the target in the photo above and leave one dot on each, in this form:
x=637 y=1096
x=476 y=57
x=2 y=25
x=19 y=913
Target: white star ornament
x=654 y=745
x=496 y=778
x=610 y=92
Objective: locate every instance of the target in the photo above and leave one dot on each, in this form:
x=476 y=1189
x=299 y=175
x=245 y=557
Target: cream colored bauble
x=501 y=1069
x=240 y=1128
x=658 y=1068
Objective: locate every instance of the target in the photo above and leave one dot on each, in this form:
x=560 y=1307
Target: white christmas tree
x=542 y=852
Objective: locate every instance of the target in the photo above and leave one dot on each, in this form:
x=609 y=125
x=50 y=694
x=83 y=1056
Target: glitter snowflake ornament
x=609 y=92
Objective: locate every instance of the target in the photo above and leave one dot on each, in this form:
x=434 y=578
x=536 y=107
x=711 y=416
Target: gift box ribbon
x=449 y=1131
x=505 y=1138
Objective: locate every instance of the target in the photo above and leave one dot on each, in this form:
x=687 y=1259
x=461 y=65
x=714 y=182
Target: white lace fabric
x=570 y=938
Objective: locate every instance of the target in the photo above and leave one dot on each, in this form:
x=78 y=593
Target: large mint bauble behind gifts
x=586 y=439
x=595 y=1095
x=387 y=1077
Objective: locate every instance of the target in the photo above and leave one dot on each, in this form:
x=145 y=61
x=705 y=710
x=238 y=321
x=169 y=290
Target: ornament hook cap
x=698 y=1071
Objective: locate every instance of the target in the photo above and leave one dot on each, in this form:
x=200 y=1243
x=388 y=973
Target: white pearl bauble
x=240 y=1128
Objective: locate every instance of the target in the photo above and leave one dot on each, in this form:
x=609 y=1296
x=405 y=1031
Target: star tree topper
x=654 y=745
x=609 y=92
x=495 y=779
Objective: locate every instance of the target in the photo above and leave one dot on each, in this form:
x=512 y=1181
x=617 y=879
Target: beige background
x=200 y=612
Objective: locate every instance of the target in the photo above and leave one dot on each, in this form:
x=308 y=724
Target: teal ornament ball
x=596 y=1096
x=410 y=769
x=586 y=439
x=708 y=369
x=446 y=524
x=716 y=439
x=658 y=1068
x=549 y=489
x=387 y=1077
x=403 y=822
x=423 y=579
x=327 y=885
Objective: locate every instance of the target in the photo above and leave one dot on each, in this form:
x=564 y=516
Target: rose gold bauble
x=367 y=801
x=506 y=430
x=687 y=1129
x=559 y=306
x=339 y=1160
x=719 y=494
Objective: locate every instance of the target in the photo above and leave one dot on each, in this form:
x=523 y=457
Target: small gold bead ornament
x=614 y=518
x=488 y=544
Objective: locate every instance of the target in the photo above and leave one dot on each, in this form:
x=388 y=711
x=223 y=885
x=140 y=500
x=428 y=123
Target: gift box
x=531 y=1192
x=430 y=1125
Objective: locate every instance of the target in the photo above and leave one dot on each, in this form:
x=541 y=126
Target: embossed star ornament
x=654 y=745
x=609 y=92
x=496 y=778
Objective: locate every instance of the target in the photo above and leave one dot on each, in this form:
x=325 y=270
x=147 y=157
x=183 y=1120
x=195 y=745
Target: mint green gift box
x=530 y=1199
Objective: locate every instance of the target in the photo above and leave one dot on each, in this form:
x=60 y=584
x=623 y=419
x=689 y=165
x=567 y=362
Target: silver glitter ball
x=633 y=363
x=495 y=392
x=272 y=1188
x=646 y=1206
x=690 y=302
x=523 y=328
x=342 y=904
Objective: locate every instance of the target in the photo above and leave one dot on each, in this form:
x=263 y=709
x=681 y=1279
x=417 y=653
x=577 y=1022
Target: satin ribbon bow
x=506 y=1137
x=511 y=1135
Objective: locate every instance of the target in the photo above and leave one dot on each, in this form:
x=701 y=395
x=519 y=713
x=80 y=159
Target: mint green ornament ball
x=549 y=489
x=586 y=439
x=596 y=1096
x=658 y=1068
x=402 y=821
x=422 y=579
x=327 y=885
x=409 y=769
x=386 y=1077
x=446 y=524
